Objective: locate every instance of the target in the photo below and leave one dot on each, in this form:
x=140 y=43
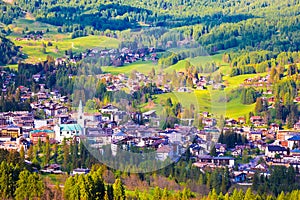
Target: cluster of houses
x=112 y=57
x=119 y=57
x=37 y=35
x=264 y=82
x=7 y=79
x=19 y=129
x=272 y=146
x=258 y=81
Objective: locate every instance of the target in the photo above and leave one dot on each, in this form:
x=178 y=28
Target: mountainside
x=8 y=51
x=269 y=25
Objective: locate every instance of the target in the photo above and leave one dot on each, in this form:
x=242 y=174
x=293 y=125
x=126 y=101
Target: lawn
x=141 y=66
x=217 y=58
x=33 y=49
x=63 y=41
x=20 y=24
x=207 y=100
x=179 y=66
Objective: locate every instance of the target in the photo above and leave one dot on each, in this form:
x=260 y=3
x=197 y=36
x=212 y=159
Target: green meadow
x=34 y=49
x=141 y=66
x=60 y=41
x=208 y=100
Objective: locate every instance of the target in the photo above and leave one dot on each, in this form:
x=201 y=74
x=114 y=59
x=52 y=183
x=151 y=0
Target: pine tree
x=21 y=192
x=119 y=190
x=47 y=151
x=213 y=151
x=165 y=194
x=22 y=154
x=66 y=155
x=7 y=183
x=157 y=193
x=259 y=105
x=249 y=195
x=255 y=181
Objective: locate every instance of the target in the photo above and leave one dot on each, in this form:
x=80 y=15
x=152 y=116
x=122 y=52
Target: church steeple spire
x=80 y=108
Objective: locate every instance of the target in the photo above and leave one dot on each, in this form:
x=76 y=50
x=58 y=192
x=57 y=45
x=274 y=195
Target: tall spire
x=80 y=108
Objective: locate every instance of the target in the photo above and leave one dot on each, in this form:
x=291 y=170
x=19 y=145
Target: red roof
x=40 y=134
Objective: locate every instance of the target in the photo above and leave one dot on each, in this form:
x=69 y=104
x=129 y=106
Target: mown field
x=208 y=100
x=140 y=66
x=60 y=41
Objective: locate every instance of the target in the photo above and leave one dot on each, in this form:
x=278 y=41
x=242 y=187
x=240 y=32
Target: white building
x=67 y=131
x=164 y=152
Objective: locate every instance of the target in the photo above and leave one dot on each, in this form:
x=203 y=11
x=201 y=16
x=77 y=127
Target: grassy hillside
x=205 y=100
x=34 y=49
x=143 y=67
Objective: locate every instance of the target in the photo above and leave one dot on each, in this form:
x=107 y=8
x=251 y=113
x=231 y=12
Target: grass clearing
x=141 y=66
x=207 y=100
x=236 y=81
x=34 y=49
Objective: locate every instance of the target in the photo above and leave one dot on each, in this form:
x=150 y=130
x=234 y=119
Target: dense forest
x=9 y=53
x=215 y=24
x=177 y=181
x=9 y=13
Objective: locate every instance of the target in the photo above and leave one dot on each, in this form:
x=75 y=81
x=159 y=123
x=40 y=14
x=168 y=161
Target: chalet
x=273 y=150
x=196 y=150
x=164 y=152
x=295 y=152
x=220 y=148
x=284 y=135
x=255 y=119
x=217 y=161
x=52 y=169
x=205 y=114
x=36 y=77
x=239 y=177
x=55 y=109
x=11 y=130
x=149 y=115
x=109 y=109
x=63 y=99
x=294 y=141
x=236 y=153
x=42 y=135
x=231 y=122
x=99 y=136
x=80 y=171
x=297 y=126
x=255 y=135
x=209 y=122
x=173 y=135
x=183 y=89
x=112 y=88
x=248 y=81
x=119 y=136
x=261 y=167
x=274 y=127
x=241 y=120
